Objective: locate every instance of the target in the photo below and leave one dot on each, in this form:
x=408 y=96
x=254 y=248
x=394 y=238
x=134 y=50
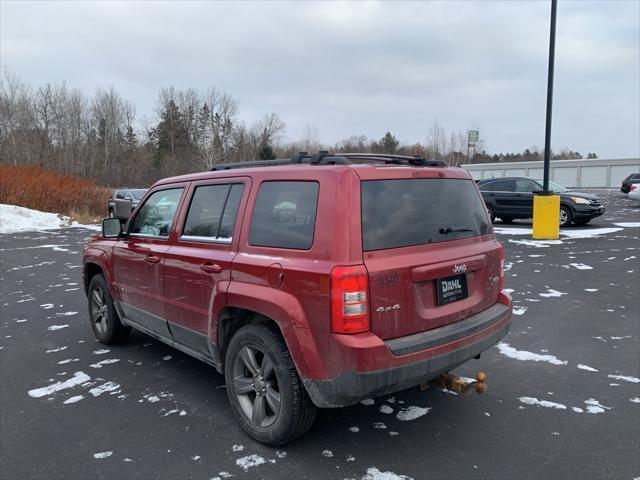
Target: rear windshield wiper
x=448 y=230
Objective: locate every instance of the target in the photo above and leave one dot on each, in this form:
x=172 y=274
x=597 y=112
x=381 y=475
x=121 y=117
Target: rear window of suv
x=402 y=213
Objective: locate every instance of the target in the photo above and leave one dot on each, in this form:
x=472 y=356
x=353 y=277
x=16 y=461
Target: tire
x=566 y=216
x=491 y=212
x=261 y=349
x=506 y=219
x=111 y=214
x=582 y=221
x=104 y=319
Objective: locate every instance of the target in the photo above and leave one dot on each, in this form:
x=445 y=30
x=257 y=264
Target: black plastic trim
x=448 y=333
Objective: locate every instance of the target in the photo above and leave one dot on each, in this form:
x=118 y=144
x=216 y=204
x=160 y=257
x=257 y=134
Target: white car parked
x=634 y=192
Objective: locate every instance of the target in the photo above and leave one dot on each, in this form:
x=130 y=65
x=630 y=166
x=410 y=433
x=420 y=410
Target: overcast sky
x=355 y=68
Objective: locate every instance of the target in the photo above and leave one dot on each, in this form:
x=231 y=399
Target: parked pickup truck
x=123 y=201
x=312 y=282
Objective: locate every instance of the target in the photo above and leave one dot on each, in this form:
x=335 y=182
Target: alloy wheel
x=256 y=386
x=99 y=310
x=563 y=217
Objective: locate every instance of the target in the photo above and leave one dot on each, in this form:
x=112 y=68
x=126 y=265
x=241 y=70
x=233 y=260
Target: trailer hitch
x=460 y=385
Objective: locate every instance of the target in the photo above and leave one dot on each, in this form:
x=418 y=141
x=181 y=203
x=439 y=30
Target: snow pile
x=20 y=219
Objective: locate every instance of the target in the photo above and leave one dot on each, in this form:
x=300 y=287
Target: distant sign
x=474 y=135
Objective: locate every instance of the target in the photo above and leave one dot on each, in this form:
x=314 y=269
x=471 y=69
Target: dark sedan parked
x=512 y=197
x=627 y=182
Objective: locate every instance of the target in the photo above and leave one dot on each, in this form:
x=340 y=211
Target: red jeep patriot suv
x=311 y=282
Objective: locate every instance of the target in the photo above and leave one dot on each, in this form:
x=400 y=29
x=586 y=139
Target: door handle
x=152 y=259
x=211 y=267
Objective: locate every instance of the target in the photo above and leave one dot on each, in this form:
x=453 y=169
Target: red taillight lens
x=633 y=187
x=501 y=257
x=349 y=299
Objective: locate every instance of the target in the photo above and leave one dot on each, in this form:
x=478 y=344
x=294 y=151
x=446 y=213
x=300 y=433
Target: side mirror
x=111 y=228
x=536 y=192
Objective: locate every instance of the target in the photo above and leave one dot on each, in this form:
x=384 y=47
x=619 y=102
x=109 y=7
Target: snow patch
x=586 y=367
x=53 y=350
x=542 y=403
x=237 y=448
x=367 y=401
x=101 y=351
x=102 y=454
x=588 y=233
x=509 y=351
x=635 y=400
x=590 y=290
x=411 y=413
x=519 y=310
x=105 y=387
x=250 y=461
x=581 y=266
x=552 y=293
x=386 y=409
x=593 y=406
x=53 y=328
x=327 y=453
x=625 y=378
x=374 y=474
x=628 y=224
x=107 y=361
x=537 y=243
x=73 y=399
x=77 y=379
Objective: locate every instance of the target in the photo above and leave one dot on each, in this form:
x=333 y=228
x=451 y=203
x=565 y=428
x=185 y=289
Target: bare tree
x=436 y=140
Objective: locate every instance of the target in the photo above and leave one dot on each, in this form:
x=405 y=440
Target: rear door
x=198 y=266
x=524 y=196
x=429 y=251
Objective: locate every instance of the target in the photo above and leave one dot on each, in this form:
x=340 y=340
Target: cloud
x=362 y=67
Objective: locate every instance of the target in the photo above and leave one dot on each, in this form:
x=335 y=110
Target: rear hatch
x=429 y=252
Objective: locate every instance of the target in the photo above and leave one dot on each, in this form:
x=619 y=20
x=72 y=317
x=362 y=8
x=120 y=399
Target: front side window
x=155 y=217
x=212 y=213
x=402 y=213
x=284 y=215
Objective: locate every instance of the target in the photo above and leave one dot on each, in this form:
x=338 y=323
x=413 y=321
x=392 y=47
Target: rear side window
x=155 y=217
x=212 y=213
x=284 y=215
x=402 y=213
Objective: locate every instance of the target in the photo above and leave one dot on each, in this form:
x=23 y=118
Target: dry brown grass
x=47 y=191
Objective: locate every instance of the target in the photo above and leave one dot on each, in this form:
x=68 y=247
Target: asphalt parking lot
x=563 y=397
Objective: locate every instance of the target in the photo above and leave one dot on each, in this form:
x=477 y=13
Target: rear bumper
x=473 y=336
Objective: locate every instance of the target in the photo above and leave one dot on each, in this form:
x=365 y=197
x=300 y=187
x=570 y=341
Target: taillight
x=633 y=187
x=349 y=299
x=501 y=257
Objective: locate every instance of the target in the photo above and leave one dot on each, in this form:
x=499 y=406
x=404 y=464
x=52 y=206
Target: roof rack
x=395 y=159
x=323 y=157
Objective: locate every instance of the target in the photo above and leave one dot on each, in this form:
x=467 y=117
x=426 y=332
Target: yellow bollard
x=546 y=217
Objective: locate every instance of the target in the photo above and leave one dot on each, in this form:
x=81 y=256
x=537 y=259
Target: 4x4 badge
x=386 y=309
x=460 y=268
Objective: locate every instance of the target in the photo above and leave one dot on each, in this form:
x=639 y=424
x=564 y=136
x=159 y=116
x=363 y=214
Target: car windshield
x=554 y=186
x=138 y=194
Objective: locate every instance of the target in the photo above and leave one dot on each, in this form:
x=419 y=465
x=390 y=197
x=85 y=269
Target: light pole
x=546 y=206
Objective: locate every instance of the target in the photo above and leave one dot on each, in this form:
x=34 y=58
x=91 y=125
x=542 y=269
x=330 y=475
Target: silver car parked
x=123 y=201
